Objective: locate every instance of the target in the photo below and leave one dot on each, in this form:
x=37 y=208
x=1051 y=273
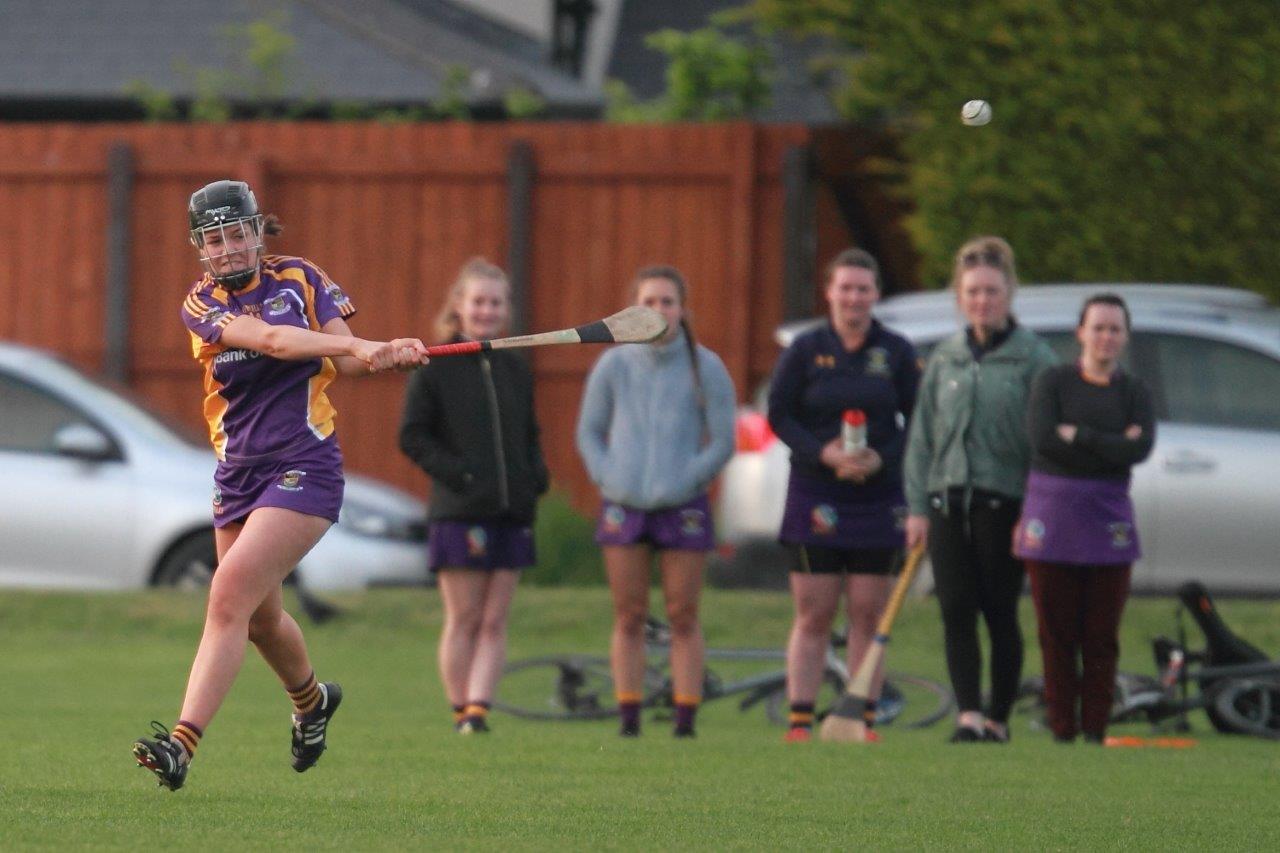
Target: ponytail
x=699 y=393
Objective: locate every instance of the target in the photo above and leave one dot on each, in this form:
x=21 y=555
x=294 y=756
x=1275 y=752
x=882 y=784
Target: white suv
x=1207 y=497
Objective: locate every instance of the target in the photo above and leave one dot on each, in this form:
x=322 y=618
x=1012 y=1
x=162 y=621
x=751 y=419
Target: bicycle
x=1238 y=685
x=580 y=686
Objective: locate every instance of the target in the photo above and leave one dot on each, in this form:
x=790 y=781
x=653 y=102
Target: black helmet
x=222 y=205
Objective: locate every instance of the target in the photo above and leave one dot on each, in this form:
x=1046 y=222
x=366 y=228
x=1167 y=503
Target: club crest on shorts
x=1121 y=534
x=291 y=481
x=823 y=519
x=477 y=541
x=614 y=516
x=217 y=500
x=824 y=360
x=1032 y=534
x=692 y=522
x=878 y=362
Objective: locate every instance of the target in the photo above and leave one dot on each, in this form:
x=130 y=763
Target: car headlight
x=379 y=524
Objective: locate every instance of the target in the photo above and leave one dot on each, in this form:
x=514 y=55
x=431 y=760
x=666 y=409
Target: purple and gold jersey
x=256 y=405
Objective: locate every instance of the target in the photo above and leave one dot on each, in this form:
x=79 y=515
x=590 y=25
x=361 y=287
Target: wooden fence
x=94 y=257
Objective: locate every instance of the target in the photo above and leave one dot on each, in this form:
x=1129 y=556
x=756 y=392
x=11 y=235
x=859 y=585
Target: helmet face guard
x=226 y=229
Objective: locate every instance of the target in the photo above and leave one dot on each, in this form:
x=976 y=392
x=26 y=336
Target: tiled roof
x=388 y=51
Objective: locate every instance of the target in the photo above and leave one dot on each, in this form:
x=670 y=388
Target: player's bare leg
x=628 y=567
x=279 y=640
x=490 y=647
x=682 y=573
x=270 y=545
x=865 y=599
x=462 y=591
x=253 y=561
x=815 y=598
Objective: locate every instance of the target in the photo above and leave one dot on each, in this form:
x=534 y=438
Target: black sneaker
x=472 y=726
x=629 y=730
x=309 y=731
x=994 y=735
x=684 y=732
x=965 y=734
x=163 y=757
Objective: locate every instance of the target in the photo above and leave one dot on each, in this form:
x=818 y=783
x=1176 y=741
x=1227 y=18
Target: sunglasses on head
x=982 y=257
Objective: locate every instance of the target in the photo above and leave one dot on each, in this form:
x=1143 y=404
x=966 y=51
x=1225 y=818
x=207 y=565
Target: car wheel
x=190 y=563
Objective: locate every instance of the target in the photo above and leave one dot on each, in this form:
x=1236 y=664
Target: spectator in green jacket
x=965 y=471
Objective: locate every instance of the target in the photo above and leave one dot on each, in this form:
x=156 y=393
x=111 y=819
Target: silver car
x=99 y=494
x=1208 y=496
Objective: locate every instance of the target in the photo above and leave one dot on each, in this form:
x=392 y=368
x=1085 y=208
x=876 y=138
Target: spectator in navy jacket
x=845 y=509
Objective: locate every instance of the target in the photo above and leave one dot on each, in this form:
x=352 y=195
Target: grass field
x=82 y=676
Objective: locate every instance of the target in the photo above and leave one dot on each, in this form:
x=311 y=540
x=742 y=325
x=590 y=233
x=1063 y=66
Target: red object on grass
x=1158 y=742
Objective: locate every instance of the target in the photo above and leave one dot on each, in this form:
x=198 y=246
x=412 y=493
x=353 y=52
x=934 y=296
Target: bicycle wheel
x=1140 y=698
x=912 y=702
x=564 y=687
x=1249 y=706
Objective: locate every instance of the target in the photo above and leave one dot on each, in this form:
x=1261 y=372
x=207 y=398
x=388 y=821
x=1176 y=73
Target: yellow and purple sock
x=869 y=715
x=686 y=711
x=306 y=696
x=801 y=716
x=187 y=735
x=629 y=712
x=475 y=710
x=459 y=712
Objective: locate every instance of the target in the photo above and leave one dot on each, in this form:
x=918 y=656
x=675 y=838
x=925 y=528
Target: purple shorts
x=843 y=516
x=686 y=527
x=479 y=545
x=1076 y=520
x=308 y=481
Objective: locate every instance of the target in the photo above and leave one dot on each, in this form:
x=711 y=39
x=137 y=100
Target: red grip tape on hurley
x=454 y=349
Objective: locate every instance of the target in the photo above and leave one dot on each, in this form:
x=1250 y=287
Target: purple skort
x=687 y=527
x=843 y=515
x=486 y=545
x=306 y=479
x=1076 y=520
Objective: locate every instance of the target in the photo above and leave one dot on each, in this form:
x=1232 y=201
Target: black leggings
x=975 y=572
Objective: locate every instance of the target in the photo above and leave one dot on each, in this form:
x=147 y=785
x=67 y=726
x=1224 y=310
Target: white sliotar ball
x=975 y=113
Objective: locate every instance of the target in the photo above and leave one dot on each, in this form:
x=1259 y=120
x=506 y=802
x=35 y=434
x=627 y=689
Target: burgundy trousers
x=1078 y=609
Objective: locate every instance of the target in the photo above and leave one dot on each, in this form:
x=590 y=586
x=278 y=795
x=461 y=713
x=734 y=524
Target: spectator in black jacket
x=469 y=423
x=1090 y=423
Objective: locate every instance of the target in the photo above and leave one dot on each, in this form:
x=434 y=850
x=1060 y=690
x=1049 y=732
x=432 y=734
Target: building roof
x=377 y=51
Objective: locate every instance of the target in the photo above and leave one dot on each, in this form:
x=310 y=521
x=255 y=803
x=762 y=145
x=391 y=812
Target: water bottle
x=853 y=430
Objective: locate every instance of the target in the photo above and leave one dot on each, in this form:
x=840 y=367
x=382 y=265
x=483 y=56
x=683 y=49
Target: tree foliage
x=711 y=76
x=1132 y=139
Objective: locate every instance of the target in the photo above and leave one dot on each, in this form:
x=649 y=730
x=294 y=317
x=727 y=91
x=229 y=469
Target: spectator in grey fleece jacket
x=656 y=427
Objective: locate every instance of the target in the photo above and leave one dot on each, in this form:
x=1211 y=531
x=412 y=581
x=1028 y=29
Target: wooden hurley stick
x=846 y=722
x=634 y=325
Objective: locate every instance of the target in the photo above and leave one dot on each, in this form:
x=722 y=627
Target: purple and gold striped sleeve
x=330 y=301
x=205 y=314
